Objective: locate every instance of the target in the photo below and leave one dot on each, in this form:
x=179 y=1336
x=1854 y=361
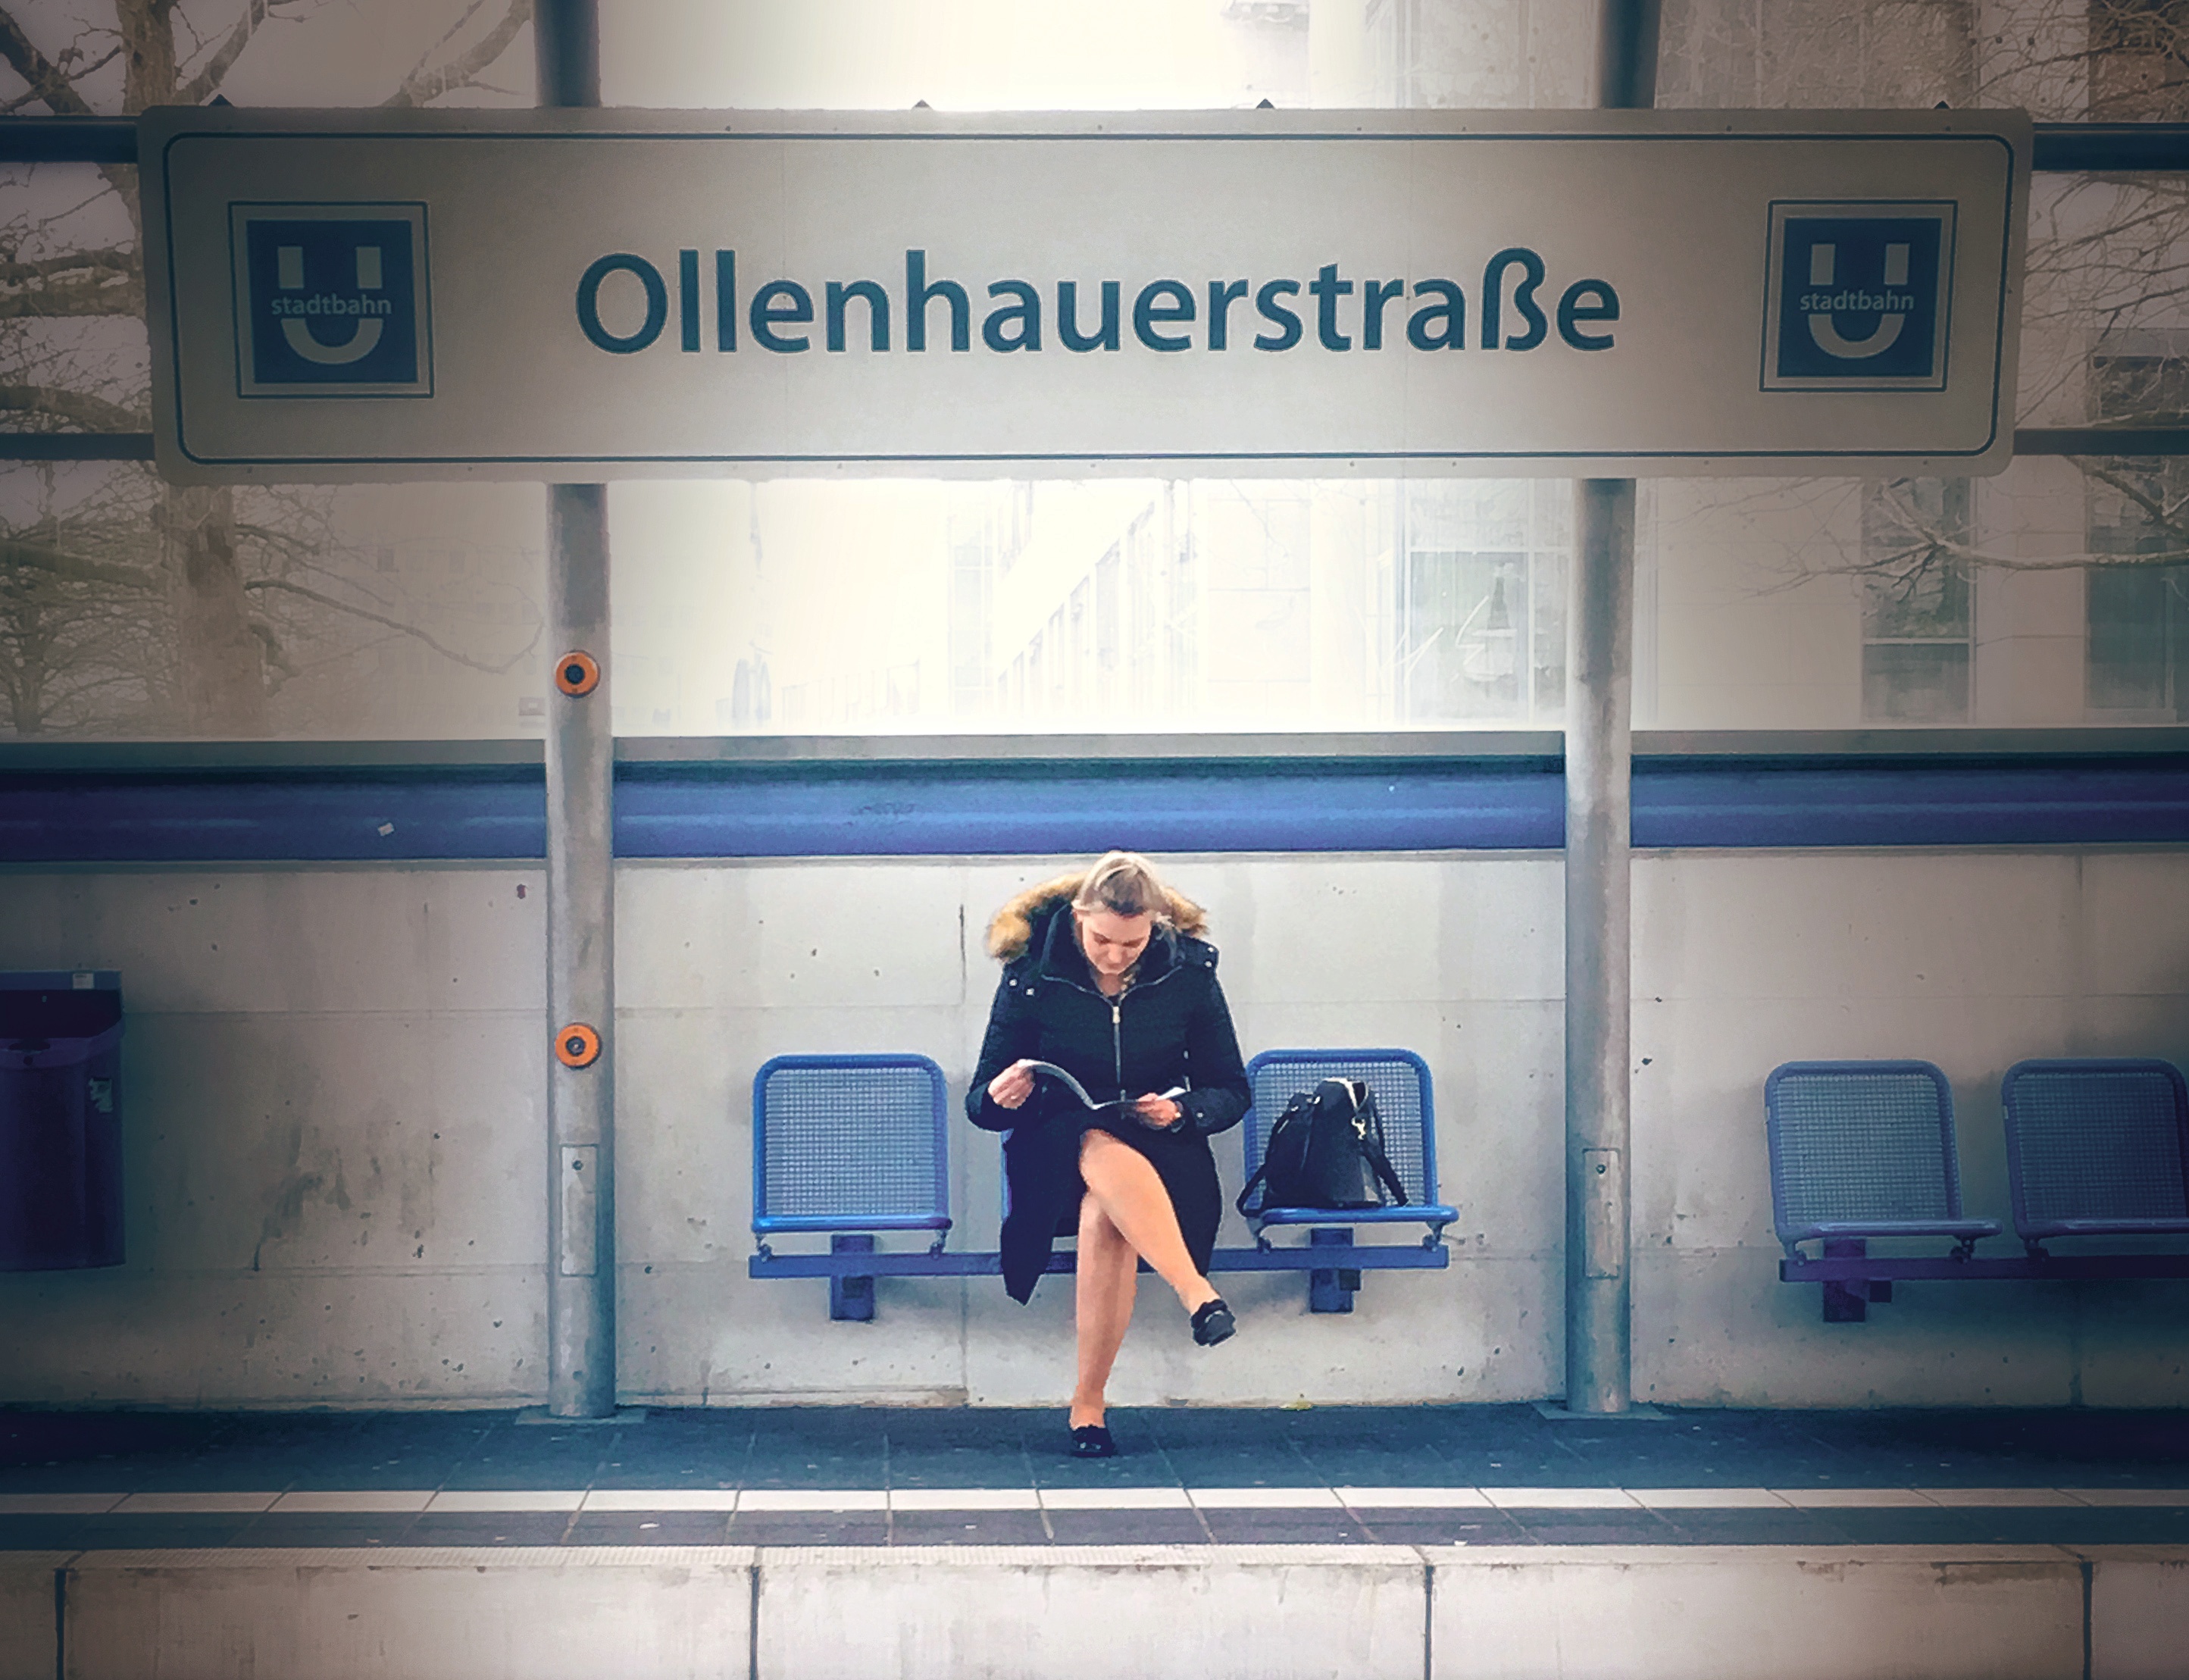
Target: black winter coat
x=1171 y=1027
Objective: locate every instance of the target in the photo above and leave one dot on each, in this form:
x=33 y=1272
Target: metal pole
x=1599 y=759
x=581 y=1365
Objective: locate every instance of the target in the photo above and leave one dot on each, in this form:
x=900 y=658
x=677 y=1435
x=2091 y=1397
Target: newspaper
x=1080 y=1091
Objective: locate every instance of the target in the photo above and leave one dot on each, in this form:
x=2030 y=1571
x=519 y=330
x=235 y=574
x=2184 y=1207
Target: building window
x=1482 y=604
x=2137 y=615
x=2138 y=650
x=1918 y=618
x=2139 y=61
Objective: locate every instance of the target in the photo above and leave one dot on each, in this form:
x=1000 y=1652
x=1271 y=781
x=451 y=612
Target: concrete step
x=1105 y=1613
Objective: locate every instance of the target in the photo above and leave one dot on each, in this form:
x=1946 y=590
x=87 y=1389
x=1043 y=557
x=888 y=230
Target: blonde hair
x=1125 y=884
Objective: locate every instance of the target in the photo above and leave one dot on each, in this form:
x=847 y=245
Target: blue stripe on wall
x=1747 y=802
x=897 y=809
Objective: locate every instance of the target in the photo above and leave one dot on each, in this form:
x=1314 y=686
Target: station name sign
x=591 y=294
x=1166 y=315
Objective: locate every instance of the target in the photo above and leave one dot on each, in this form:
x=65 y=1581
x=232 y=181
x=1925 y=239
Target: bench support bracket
x=1331 y=1289
x=851 y=1297
x=1855 y=1280
x=1848 y=1302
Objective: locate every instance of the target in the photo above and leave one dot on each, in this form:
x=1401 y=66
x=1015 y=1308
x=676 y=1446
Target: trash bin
x=60 y=1120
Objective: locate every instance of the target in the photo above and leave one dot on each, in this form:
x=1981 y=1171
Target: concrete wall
x=334 y=1099
x=949 y=1613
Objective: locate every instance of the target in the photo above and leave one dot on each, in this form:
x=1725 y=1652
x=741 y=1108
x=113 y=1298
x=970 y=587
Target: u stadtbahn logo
x=331 y=299
x=1857 y=297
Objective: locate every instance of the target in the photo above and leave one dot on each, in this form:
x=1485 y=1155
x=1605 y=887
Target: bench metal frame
x=1853 y=1279
x=1332 y=1258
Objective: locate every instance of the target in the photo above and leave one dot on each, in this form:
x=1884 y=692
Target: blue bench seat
x=1400 y=1082
x=1865 y=1149
x=2096 y=1148
x=857 y=1147
x=1861 y=1150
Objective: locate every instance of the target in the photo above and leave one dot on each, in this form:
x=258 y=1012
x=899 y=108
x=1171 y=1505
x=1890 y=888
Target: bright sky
x=845 y=54
x=956 y=55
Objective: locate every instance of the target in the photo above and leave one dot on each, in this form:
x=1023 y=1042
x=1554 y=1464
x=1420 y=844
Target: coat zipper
x=1117 y=1020
x=1118 y=1040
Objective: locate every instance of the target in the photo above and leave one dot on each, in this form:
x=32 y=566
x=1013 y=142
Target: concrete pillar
x=1599 y=750
x=581 y=1373
x=1599 y=759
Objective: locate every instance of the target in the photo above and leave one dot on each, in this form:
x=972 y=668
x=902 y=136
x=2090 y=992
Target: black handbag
x=1327 y=1150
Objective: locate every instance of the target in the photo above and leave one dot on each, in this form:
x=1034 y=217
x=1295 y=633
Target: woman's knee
x=1107 y=1164
x=1096 y=1226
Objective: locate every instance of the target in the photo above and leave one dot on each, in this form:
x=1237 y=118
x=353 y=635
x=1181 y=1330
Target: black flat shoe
x=1092 y=1440
x=1213 y=1323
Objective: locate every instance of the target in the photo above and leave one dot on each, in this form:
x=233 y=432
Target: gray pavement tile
x=1284 y=1527
x=1755 y=1528
x=1127 y=1528
x=489 y=1528
x=42 y=1534
x=1595 y=1528
x=642 y=1527
x=322 y=1534
x=281 y=1528
x=1441 y=1528
x=1901 y=1525
x=809 y=1528
x=967 y=1528
x=155 y=1533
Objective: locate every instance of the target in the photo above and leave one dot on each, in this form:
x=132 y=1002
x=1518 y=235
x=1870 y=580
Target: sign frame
x=1980 y=343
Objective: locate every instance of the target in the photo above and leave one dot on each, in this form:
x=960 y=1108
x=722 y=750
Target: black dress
x=1170 y=1027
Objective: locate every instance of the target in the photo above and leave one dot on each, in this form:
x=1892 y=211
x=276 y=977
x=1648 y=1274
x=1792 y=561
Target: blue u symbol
x=1824 y=329
x=364 y=331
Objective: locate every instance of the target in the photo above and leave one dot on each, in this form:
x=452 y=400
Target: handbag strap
x=1258 y=1175
x=1371 y=1146
x=1262 y=1172
x=1382 y=1162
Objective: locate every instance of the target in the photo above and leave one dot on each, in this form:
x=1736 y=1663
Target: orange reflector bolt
x=577 y=672
x=577 y=1046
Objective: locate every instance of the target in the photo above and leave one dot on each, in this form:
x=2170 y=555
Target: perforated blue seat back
x=1854 y=1141
x=2096 y=1140
x=850 y=1142
x=1400 y=1081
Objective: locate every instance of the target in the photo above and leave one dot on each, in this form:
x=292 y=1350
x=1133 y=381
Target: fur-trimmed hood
x=1012 y=930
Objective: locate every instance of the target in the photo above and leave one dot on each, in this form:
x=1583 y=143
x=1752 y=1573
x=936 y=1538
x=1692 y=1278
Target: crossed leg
x=1125 y=1215
x=1102 y=1306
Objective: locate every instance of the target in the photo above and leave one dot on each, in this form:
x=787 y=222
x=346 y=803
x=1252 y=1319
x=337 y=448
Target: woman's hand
x=1158 y=1113
x=1013 y=1086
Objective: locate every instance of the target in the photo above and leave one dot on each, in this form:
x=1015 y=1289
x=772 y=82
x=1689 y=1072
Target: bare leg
x=1121 y=1179
x=1109 y=1273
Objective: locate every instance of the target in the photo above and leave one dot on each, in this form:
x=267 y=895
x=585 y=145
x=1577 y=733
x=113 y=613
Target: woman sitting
x=1103 y=978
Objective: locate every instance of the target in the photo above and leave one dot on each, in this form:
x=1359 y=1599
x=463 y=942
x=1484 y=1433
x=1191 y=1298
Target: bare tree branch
x=100 y=292
x=203 y=85
x=426 y=83
x=76 y=568
x=34 y=93
x=47 y=81
x=276 y=656
x=93 y=414
x=438 y=646
x=113 y=259
x=471 y=9
x=2113 y=480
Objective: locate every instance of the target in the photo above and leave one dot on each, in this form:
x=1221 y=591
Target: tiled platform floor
x=1483 y=1475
